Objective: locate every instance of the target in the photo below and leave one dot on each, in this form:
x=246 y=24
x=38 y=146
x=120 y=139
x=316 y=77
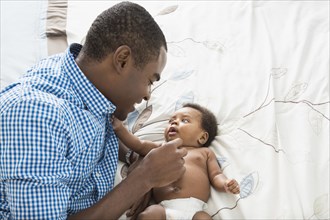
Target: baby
x=187 y=197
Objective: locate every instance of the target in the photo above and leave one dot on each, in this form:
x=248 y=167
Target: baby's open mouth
x=172 y=131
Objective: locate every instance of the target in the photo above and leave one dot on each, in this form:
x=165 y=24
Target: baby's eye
x=185 y=120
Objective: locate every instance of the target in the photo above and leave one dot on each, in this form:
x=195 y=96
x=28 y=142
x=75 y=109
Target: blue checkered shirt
x=58 y=151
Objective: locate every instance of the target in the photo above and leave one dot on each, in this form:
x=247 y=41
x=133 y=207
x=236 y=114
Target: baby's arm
x=141 y=147
x=218 y=180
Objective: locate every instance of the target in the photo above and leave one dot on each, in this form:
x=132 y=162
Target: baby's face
x=185 y=123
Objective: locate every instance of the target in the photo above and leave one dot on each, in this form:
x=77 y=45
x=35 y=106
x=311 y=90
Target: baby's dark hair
x=208 y=121
x=125 y=23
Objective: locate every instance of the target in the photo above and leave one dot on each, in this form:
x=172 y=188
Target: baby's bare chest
x=196 y=158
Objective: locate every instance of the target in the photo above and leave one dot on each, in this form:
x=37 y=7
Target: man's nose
x=147 y=97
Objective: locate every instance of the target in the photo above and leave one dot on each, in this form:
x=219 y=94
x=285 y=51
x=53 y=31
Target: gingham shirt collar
x=92 y=98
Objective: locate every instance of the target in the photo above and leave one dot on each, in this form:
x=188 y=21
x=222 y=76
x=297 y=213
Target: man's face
x=138 y=84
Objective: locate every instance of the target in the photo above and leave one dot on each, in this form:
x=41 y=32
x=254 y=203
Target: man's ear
x=203 y=138
x=121 y=57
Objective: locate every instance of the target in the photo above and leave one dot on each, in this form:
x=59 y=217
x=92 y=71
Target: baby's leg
x=201 y=215
x=153 y=212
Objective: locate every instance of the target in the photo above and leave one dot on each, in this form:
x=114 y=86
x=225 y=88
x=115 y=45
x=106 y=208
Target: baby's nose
x=174 y=122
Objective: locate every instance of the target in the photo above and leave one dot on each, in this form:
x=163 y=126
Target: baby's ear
x=204 y=136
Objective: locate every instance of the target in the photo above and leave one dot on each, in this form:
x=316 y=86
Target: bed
x=261 y=66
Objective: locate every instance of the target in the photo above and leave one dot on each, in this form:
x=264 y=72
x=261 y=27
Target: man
x=58 y=151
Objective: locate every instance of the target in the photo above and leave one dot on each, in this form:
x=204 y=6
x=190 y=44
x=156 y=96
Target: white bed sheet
x=263 y=68
x=23 y=39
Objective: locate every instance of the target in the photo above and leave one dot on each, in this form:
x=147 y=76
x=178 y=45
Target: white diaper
x=182 y=209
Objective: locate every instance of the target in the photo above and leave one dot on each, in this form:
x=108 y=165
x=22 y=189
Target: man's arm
x=118 y=200
x=155 y=170
x=35 y=143
x=35 y=172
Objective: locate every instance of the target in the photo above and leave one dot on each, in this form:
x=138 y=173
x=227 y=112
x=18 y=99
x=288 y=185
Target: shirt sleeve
x=33 y=166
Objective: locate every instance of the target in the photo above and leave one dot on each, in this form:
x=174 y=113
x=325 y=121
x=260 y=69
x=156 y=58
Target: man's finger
x=176 y=142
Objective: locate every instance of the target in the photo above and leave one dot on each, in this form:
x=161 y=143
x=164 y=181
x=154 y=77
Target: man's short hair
x=125 y=23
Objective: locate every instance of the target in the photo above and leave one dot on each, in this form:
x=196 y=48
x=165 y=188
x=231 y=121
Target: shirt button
x=98 y=174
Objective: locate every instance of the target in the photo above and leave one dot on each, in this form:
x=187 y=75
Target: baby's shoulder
x=204 y=150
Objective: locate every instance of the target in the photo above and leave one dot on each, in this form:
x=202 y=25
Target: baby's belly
x=193 y=184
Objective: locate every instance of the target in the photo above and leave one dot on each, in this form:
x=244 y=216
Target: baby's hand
x=116 y=123
x=231 y=186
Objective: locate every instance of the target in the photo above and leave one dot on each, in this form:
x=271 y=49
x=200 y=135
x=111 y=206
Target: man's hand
x=139 y=206
x=165 y=164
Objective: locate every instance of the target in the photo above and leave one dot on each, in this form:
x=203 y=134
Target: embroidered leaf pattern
x=143 y=117
x=278 y=72
x=248 y=184
x=321 y=207
x=168 y=10
x=214 y=45
x=296 y=91
x=124 y=171
x=188 y=97
x=131 y=118
x=222 y=161
x=181 y=75
x=176 y=50
x=315 y=120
